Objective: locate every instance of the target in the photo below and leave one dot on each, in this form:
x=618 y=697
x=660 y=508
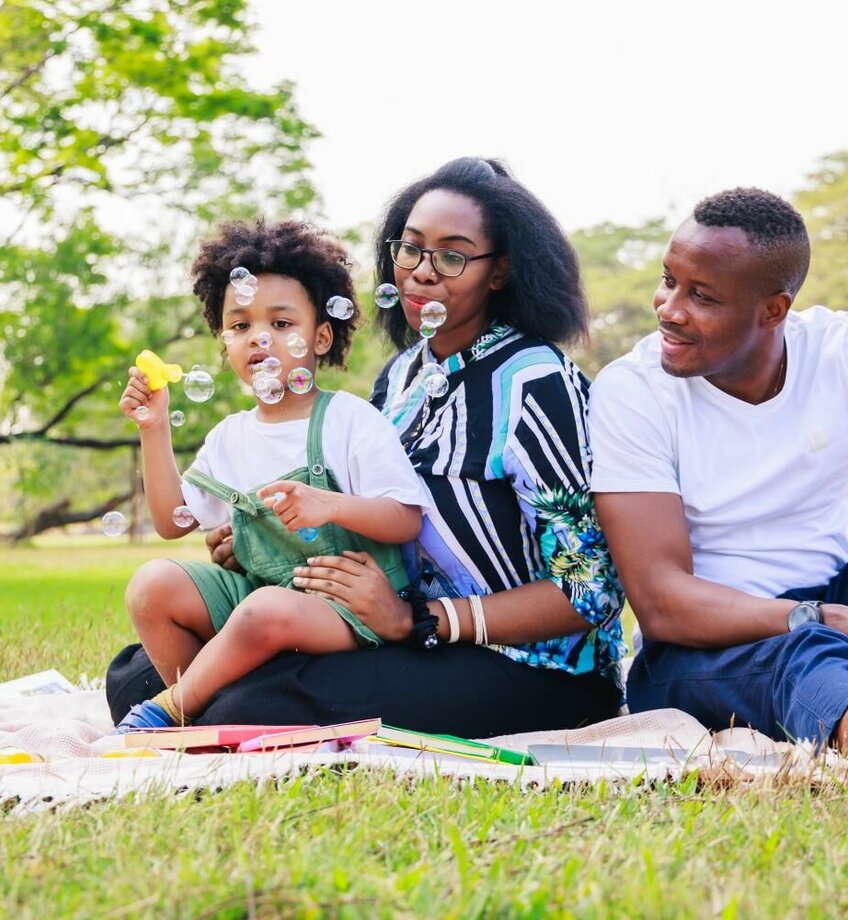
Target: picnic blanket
x=72 y=732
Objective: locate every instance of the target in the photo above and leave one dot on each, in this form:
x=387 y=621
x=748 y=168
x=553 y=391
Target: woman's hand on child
x=355 y=580
x=299 y=505
x=138 y=395
x=219 y=542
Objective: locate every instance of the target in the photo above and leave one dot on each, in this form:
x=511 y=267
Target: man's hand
x=835 y=616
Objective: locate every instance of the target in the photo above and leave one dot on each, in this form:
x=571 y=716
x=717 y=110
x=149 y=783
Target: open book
x=50 y=681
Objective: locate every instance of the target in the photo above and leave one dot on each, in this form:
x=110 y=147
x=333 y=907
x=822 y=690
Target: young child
x=313 y=460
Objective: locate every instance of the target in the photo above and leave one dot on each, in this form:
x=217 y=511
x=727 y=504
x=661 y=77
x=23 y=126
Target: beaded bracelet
x=424 y=624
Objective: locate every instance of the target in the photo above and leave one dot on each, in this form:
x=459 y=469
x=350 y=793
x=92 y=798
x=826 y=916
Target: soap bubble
x=300 y=380
x=308 y=533
x=296 y=345
x=386 y=296
x=238 y=275
x=269 y=389
x=182 y=516
x=427 y=331
x=250 y=283
x=340 y=307
x=271 y=366
x=264 y=340
x=261 y=384
x=433 y=314
x=228 y=336
x=141 y=413
x=198 y=385
x=434 y=379
x=177 y=418
x=113 y=524
x=244 y=297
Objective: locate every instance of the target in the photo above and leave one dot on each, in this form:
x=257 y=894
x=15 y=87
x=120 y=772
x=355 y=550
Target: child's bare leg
x=169 y=615
x=269 y=621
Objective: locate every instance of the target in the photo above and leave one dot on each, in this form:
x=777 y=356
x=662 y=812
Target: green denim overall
x=269 y=552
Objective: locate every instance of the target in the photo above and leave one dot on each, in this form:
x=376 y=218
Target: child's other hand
x=139 y=395
x=298 y=505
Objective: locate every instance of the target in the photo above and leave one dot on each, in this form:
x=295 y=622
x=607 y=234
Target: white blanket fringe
x=72 y=731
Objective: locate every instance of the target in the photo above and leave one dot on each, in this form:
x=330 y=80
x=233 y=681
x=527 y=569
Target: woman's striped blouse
x=505 y=457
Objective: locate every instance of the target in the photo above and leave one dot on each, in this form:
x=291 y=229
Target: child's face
x=281 y=308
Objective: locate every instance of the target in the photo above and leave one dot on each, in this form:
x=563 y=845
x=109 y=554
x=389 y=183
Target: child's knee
x=150 y=589
x=266 y=614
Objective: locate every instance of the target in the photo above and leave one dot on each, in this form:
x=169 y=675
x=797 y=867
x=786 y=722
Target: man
x=720 y=448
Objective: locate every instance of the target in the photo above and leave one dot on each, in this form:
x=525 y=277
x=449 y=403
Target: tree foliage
x=126 y=131
x=824 y=204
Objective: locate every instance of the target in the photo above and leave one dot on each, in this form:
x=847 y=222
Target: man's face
x=709 y=305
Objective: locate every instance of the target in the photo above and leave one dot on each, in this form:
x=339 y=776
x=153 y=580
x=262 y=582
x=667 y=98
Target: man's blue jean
x=790 y=686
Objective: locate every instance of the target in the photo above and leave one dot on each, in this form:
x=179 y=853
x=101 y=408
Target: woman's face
x=448 y=220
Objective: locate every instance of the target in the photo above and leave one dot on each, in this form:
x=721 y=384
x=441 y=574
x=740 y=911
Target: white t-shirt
x=764 y=488
x=360 y=446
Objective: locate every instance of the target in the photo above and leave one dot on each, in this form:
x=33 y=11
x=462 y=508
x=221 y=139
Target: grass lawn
x=356 y=844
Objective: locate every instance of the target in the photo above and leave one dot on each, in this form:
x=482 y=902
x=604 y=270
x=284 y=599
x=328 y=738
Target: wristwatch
x=805 y=612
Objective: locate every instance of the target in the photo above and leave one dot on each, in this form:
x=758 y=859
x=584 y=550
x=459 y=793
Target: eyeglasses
x=447 y=262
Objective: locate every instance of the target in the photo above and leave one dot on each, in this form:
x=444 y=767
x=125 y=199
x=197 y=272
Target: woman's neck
x=459 y=338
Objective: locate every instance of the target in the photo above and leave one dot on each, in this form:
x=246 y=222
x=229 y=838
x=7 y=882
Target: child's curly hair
x=292 y=248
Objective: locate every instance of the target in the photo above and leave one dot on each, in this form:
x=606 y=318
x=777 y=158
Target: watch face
x=803 y=613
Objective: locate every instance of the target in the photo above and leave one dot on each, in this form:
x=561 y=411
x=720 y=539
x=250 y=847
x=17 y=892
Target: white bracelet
x=453 y=618
x=481 y=633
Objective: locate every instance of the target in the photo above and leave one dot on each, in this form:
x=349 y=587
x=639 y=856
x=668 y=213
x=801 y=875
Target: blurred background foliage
x=126 y=134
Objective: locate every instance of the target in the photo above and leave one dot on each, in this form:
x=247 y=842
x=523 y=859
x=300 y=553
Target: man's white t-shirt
x=361 y=448
x=765 y=487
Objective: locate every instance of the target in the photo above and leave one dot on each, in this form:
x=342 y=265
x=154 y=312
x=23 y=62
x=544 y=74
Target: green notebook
x=449 y=744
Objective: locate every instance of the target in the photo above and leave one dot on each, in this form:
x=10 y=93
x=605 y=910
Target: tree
x=620 y=267
x=824 y=204
x=126 y=131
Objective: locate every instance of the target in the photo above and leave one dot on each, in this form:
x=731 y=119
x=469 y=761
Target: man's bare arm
x=649 y=541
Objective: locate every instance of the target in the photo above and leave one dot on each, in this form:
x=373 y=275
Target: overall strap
x=220 y=490
x=314 y=448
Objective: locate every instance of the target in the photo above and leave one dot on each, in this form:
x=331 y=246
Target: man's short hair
x=771 y=225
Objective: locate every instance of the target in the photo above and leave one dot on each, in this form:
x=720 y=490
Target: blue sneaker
x=144 y=715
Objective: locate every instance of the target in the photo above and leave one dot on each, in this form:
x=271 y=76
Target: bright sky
x=607 y=110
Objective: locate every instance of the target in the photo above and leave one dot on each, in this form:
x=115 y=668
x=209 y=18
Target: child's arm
x=162 y=481
x=382 y=519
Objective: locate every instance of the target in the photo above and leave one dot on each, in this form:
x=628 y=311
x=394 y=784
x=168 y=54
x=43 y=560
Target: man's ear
x=500 y=276
x=323 y=338
x=775 y=308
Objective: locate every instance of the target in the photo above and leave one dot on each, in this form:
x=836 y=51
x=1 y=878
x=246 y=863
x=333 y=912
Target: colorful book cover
x=187 y=737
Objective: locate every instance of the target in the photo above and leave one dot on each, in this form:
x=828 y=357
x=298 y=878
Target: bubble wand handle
x=158 y=373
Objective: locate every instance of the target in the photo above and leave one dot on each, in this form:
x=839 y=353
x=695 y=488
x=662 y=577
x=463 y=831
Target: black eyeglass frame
x=431 y=252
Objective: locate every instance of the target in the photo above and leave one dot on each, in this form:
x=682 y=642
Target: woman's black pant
x=457 y=689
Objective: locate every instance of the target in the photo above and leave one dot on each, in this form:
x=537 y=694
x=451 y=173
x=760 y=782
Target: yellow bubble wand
x=157 y=372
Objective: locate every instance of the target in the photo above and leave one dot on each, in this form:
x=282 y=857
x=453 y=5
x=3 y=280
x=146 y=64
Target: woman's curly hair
x=543 y=296
x=292 y=248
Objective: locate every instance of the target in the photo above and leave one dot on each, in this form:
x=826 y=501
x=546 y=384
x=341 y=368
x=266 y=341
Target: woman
x=519 y=586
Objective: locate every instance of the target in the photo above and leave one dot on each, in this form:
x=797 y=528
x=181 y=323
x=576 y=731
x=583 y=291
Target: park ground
x=352 y=843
